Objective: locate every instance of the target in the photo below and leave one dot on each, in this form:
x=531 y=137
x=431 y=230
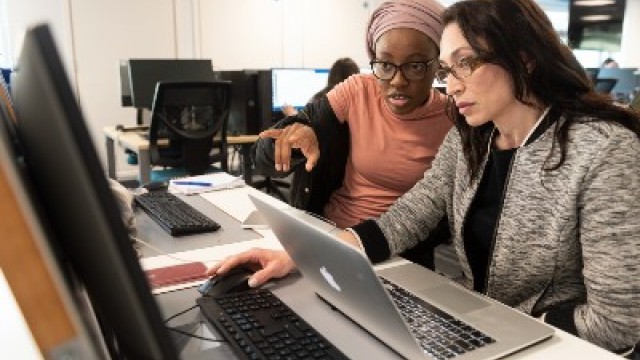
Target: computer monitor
x=144 y=74
x=250 y=110
x=626 y=84
x=296 y=86
x=87 y=229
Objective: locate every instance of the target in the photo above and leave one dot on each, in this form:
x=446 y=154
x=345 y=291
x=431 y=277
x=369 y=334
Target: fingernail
x=286 y=167
x=278 y=167
x=252 y=282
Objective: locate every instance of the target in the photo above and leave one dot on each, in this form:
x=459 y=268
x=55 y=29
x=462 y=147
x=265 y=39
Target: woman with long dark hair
x=540 y=180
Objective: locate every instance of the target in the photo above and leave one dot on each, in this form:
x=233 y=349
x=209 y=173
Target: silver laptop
x=441 y=318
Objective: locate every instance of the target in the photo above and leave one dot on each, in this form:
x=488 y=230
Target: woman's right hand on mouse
x=269 y=263
x=294 y=136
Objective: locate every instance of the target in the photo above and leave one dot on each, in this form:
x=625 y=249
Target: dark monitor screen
x=296 y=86
x=250 y=110
x=144 y=74
x=88 y=231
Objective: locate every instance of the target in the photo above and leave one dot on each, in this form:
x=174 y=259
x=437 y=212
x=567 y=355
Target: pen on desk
x=194 y=183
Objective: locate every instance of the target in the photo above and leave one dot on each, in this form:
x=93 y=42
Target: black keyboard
x=440 y=335
x=174 y=215
x=259 y=326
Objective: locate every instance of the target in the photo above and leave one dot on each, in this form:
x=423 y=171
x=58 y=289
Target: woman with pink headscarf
x=371 y=138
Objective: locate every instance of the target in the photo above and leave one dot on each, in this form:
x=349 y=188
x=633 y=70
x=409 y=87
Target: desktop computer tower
x=250 y=110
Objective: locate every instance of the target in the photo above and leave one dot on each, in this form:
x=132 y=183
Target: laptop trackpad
x=453 y=299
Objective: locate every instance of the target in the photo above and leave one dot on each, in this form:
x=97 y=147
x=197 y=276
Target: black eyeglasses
x=460 y=70
x=414 y=70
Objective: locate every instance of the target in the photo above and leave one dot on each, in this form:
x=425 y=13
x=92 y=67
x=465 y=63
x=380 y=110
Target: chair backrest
x=604 y=85
x=592 y=73
x=189 y=115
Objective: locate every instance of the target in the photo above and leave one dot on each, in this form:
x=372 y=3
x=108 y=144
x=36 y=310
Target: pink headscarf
x=422 y=15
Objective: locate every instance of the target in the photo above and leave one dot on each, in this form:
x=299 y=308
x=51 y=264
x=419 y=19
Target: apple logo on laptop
x=329 y=278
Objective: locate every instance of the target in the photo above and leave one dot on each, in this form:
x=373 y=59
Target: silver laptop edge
x=344 y=277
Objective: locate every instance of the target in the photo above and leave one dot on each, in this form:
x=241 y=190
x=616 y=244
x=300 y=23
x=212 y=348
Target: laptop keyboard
x=259 y=326
x=441 y=335
x=174 y=215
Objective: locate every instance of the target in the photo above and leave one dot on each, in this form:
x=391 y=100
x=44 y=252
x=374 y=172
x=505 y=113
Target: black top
x=483 y=215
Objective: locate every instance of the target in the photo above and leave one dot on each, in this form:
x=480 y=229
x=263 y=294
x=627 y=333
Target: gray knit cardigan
x=568 y=235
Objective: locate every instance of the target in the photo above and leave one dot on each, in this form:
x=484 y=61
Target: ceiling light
x=593 y=2
x=596 y=17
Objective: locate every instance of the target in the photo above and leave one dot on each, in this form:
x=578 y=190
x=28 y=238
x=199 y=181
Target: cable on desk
x=196 y=336
x=180 y=313
x=188 y=333
x=162 y=252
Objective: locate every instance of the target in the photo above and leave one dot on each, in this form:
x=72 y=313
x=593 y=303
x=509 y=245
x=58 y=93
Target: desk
x=297 y=293
x=134 y=141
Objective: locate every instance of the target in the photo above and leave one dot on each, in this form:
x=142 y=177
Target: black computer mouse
x=235 y=280
x=156 y=186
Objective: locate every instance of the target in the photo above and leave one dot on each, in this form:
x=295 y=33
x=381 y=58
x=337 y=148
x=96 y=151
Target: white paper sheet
x=204 y=183
x=236 y=202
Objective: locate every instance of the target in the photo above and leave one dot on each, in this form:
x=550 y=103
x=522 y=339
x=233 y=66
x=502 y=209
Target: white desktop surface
x=344 y=334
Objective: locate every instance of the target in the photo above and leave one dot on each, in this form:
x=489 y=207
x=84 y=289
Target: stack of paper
x=203 y=183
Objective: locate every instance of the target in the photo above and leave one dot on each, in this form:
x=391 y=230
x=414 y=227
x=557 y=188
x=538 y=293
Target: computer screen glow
x=296 y=86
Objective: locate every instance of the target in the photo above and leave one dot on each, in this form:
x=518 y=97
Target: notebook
x=176 y=274
x=343 y=276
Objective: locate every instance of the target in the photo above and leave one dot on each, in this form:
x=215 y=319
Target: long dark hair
x=340 y=71
x=505 y=32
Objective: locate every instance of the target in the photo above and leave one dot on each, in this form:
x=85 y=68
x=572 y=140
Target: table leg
x=144 y=167
x=111 y=158
x=247 y=171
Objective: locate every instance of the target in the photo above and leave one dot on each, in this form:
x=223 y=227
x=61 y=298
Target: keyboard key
x=440 y=334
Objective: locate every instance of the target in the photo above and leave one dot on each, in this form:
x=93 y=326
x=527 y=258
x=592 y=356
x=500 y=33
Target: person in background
x=355 y=150
x=340 y=71
x=540 y=180
x=609 y=63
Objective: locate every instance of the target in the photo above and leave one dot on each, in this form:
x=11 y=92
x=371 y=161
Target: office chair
x=272 y=186
x=185 y=118
x=604 y=85
x=592 y=73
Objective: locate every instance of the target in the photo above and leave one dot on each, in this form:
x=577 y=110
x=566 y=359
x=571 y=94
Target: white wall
x=24 y=13
x=105 y=32
x=242 y=34
x=629 y=49
x=282 y=33
x=321 y=41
